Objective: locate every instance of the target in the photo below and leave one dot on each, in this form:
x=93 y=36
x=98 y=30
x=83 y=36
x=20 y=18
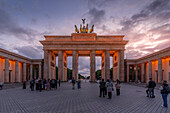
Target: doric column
x=6 y=69
x=92 y=66
x=127 y=72
x=24 y=72
x=114 y=76
x=107 y=64
x=16 y=71
x=142 y=72
x=39 y=71
x=121 y=65
x=75 y=65
x=103 y=66
x=150 y=69
x=159 y=70
x=60 y=65
x=136 y=78
x=46 y=64
x=65 y=66
x=31 y=72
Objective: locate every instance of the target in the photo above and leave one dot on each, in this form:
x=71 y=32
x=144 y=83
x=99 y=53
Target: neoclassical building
x=155 y=66
x=84 y=44
x=17 y=68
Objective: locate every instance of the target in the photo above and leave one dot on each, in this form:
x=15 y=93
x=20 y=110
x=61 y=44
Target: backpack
x=167 y=89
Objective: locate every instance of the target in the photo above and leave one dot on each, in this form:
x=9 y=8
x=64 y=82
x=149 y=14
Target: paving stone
x=85 y=100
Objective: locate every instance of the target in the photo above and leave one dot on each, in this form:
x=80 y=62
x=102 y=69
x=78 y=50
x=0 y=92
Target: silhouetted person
x=44 y=82
x=117 y=85
x=32 y=84
x=102 y=88
x=150 y=90
x=24 y=85
x=40 y=85
x=37 y=84
x=109 y=86
x=164 y=92
x=79 y=84
x=73 y=82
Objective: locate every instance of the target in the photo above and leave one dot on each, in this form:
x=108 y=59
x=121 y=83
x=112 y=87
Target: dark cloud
x=10 y=27
x=30 y=52
x=158 y=8
x=96 y=16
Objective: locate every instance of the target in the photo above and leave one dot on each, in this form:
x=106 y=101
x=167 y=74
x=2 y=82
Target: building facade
x=155 y=66
x=17 y=68
x=84 y=44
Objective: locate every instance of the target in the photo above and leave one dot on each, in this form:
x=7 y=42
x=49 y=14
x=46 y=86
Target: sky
x=145 y=23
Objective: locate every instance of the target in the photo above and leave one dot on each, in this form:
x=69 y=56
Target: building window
x=115 y=58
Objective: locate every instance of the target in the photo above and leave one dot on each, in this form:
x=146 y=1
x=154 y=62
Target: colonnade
x=12 y=70
x=118 y=68
x=145 y=70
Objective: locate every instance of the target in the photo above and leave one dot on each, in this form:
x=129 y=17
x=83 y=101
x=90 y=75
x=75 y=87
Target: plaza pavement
x=85 y=100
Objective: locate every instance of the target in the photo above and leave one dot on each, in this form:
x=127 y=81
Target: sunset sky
x=145 y=23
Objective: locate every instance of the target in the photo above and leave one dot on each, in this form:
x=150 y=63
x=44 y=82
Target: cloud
x=96 y=16
x=10 y=27
x=31 y=52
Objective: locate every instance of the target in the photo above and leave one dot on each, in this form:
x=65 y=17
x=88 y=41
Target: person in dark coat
x=32 y=84
x=102 y=88
x=150 y=90
x=44 y=82
x=73 y=83
x=78 y=84
x=40 y=85
x=164 y=93
x=24 y=85
x=37 y=84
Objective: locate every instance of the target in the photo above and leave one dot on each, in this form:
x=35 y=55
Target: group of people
x=73 y=81
x=106 y=88
x=43 y=84
x=164 y=90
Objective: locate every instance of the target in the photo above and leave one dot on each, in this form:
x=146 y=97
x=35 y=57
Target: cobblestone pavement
x=85 y=100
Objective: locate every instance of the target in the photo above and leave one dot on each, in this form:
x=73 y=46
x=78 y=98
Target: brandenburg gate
x=84 y=43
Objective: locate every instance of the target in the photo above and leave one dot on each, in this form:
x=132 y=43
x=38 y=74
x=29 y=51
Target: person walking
x=150 y=90
x=78 y=84
x=40 y=85
x=164 y=93
x=32 y=84
x=47 y=85
x=109 y=86
x=37 y=84
x=24 y=85
x=73 y=83
x=117 y=85
x=102 y=88
x=44 y=82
